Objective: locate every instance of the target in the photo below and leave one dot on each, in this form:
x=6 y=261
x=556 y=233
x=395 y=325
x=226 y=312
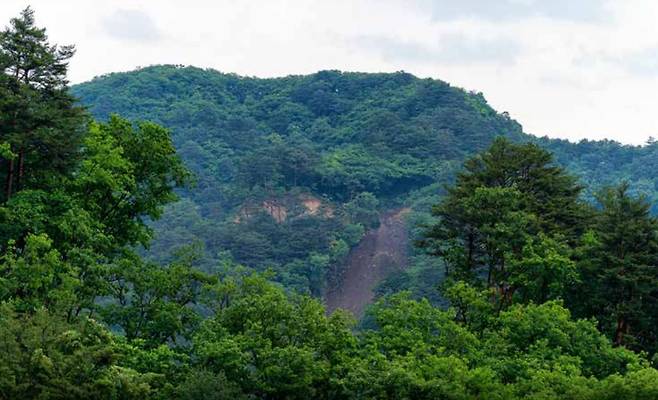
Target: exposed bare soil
x=280 y=209
x=380 y=252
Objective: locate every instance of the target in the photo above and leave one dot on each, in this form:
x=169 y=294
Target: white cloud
x=571 y=10
x=573 y=69
x=455 y=48
x=131 y=25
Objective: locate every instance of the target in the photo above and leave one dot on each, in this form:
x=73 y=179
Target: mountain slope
x=357 y=144
x=381 y=252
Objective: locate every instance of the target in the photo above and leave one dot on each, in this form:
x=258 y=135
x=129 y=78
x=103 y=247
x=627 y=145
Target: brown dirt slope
x=380 y=252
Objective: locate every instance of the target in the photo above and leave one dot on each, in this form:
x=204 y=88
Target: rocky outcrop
x=287 y=207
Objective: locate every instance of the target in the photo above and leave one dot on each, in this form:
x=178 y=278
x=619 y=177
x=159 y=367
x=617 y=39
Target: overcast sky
x=563 y=68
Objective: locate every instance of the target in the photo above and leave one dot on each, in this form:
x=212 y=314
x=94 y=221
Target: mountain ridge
x=363 y=142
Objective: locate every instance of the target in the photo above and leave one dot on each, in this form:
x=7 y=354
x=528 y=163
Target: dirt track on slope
x=380 y=252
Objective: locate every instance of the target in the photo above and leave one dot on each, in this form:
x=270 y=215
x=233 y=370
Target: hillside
x=381 y=252
x=356 y=145
x=318 y=185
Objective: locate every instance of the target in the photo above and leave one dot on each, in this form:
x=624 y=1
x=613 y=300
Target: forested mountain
x=547 y=291
x=291 y=172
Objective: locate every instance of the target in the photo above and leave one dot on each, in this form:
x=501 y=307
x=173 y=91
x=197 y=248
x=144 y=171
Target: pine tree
x=38 y=118
x=506 y=201
x=619 y=265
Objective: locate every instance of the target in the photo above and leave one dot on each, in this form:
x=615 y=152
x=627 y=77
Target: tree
x=363 y=209
x=155 y=304
x=619 y=263
x=44 y=356
x=126 y=174
x=505 y=202
x=37 y=276
x=204 y=385
x=39 y=118
x=543 y=271
x=273 y=345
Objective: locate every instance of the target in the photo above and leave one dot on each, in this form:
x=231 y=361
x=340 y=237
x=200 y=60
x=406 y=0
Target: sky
x=571 y=69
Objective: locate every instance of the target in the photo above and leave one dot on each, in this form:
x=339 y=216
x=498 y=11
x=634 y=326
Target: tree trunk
x=471 y=250
x=10 y=180
x=21 y=169
x=620 y=331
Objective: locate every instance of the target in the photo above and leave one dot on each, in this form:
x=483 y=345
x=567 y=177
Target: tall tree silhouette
x=39 y=120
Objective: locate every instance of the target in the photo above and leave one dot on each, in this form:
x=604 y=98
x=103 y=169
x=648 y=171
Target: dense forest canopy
x=548 y=286
x=356 y=142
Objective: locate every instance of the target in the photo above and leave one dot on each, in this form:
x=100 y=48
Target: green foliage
x=204 y=385
x=272 y=346
x=554 y=340
x=37 y=276
x=512 y=224
x=264 y=343
x=43 y=356
x=154 y=303
x=125 y=175
x=40 y=126
x=5 y=151
x=357 y=142
x=75 y=202
x=293 y=180
x=336 y=135
x=362 y=209
x=507 y=222
x=543 y=271
x=618 y=260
